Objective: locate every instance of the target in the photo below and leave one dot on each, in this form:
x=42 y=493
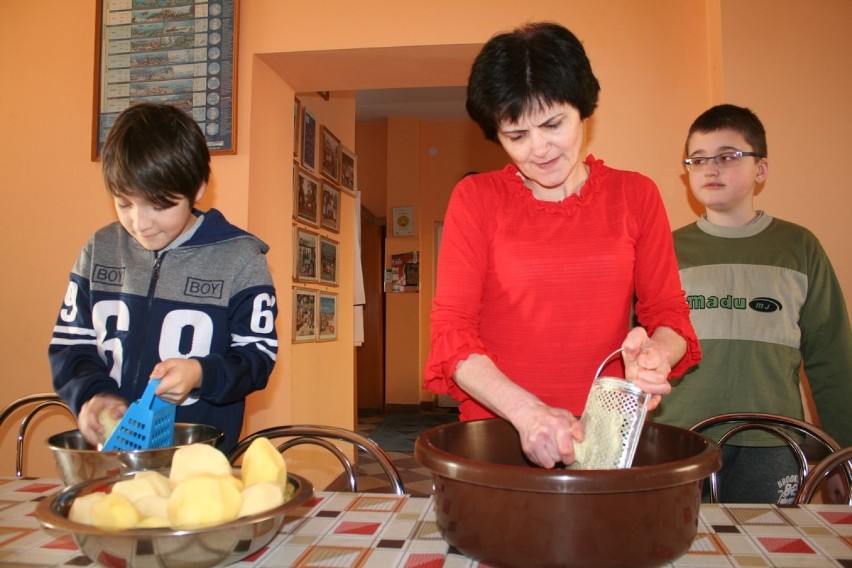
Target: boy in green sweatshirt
x=763 y=298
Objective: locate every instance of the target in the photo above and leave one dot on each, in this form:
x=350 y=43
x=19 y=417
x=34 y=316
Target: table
x=372 y=530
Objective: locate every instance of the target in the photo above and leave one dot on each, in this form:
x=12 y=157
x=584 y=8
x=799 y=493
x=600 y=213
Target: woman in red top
x=541 y=261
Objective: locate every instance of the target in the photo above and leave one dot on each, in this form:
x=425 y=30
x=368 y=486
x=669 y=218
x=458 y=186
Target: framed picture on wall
x=329 y=250
x=309 y=140
x=304 y=315
x=329 y=154
x=305 y=255
x=182 y=54
x=330 y=207
x=297 y=126
x=348 y=168
x=306 y=197
x=327 y=314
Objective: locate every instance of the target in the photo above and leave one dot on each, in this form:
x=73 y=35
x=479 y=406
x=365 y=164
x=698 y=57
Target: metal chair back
x=323 y=436
x=781 y=427
x=821 y=471
x=37 y=403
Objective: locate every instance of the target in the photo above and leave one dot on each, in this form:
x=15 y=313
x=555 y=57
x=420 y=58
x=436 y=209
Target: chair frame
x=320 y=436
x=42 y=401
x=821 y=470
x=775 y=424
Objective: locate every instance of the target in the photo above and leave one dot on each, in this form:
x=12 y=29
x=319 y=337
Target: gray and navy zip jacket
x=208 y=296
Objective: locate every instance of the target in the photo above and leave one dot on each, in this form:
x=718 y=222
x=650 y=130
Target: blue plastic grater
x=148 y=423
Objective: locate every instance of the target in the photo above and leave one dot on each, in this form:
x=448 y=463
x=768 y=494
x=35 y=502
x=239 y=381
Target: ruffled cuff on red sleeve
x=447 y=350
x=693 y=348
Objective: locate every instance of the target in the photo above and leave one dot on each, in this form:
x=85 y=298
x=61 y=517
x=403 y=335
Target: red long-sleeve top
x=545 y=289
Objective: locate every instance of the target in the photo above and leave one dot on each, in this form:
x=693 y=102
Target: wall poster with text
x=177 y=52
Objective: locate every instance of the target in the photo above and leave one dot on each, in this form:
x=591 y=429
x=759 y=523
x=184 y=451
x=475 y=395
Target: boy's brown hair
x=731 y=117
x=156 y=152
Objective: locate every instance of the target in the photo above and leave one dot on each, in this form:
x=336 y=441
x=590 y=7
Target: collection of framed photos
x=322 y=169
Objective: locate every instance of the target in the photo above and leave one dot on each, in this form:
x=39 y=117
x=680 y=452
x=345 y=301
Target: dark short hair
x=731 y=117
x=156 y=152
x=532 y=66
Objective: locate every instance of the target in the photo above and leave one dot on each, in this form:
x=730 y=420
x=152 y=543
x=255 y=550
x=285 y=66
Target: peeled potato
x=235 y=481
x=114 y=512
x=203 y=501
x=263 y=462
x=153 y=523
x=153 y=506
x=81 y=508
x=108 y=422
x=261 y=496
x=134 y=489
x=197 y=459
x=200 y=491
x=158 y=481
x=580 y=452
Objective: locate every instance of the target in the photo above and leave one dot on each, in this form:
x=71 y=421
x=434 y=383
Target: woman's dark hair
x=156 y=152
x=732 y=117
x=533 y=66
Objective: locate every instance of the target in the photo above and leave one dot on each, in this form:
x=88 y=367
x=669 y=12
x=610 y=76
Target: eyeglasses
x=722 y=161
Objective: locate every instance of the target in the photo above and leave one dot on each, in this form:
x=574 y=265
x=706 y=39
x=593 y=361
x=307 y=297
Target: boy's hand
x=88 y=421
x=178 y=377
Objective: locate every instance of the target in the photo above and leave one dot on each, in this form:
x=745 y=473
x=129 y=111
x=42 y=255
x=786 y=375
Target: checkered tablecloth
x=380 y=531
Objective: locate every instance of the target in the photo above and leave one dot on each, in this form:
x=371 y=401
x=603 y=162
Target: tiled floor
x=416 y=479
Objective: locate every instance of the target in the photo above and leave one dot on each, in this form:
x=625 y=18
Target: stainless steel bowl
x=77 y=461
x=164 y=547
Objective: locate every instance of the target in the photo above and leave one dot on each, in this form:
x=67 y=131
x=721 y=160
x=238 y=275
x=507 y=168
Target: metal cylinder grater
x=613 y=418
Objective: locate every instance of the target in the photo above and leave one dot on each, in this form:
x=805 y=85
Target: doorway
x=427 y=75
x=370 y=356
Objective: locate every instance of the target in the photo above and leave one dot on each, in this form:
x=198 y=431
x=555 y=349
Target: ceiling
x=421 y=81
x=426 y=103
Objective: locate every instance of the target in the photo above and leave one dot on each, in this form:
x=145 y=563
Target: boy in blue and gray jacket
x=166 y=292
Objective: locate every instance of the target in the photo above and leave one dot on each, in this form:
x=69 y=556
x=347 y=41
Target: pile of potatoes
x=200 y=491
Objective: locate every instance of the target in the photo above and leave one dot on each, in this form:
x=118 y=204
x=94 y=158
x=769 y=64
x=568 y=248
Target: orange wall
x=660 y=62
x=797 y=75
x=313 y=382
x=371 y=139
x=402 y=321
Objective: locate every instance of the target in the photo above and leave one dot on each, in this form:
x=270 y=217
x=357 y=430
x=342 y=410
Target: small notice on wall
x=403 y=221
x=405 y=272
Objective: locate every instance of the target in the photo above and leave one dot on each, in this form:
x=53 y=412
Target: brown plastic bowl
x=493 y=505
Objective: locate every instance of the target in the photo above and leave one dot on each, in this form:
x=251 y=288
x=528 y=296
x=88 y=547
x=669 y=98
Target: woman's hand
x=548 y=434
x=88 y=421
x=646 y=365
x=178 y=377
